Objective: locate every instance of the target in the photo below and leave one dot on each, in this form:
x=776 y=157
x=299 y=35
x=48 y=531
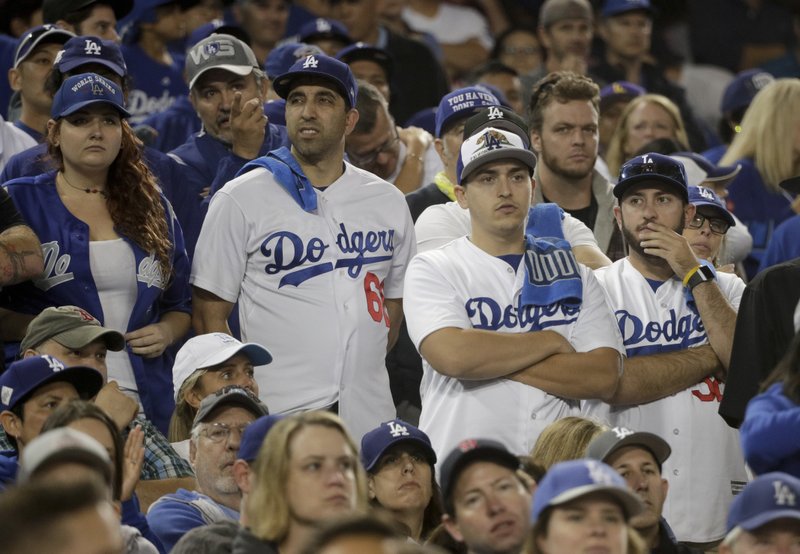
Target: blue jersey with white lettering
x=67 y=279
x=155 y=85
x=175 y=125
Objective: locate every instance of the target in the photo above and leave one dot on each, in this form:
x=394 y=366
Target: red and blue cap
x=567 y=481
x=652 y=167
x=768 y=497
x=461 y=104
x=23 y=377
x=323 y=67
x=702 y=196
x=85 y=89
x=42 y=34
x=84 y=50
x=619 y=7
x=376 y=442
x=254 y=435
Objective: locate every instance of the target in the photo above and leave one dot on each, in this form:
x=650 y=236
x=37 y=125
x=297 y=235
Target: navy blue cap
x=43 y=34
x=363 y=51
x=216 y=26
x=324 y=67
x=281 y=58
x=82 y=90
x=652 y=167
x=53 y=10
x=714 y=173
x=425 y=119
x=254 y=435
x=84 y=50
x=740 y=92
x=25 y=376
x=466 y=453
x=766 y=498
x=323 y=28
x=567 y=481
x=232 y=395
x=461 y=104
x=387 y=434
x=620 y=90
x=618 y=7
x=702 y=196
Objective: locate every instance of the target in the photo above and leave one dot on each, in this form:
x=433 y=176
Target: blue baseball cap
x=324 y=67
x=714 y=173
x=425 y=119
x=618 y=7
x=387 y=434
x=254 y=435
x=766 y=498
x=282 y=58
x=25 y=376
x=323 y=28
x=216 y=26
x=490 y=144
x=363 y=51
x=83 y=50
x=43 y=34
x=619 y=90
x=567 y=481
x=740 y=92
x=460 y=104
x=652 y=167
x=82 y=90
x=702 y=196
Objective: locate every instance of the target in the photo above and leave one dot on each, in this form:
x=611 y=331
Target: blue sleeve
x=769 y=432
x=177 y=296
x=227 y=169
x=170 y=520
x=132 y=515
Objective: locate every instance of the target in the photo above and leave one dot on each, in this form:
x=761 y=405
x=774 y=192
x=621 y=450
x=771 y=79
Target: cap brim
x=622 y=187
x=791 y=185
x=229 y=400
x=53 y=36
x=241 y=70
x=78 y=337
x=369 y=465
x=478 y=454
x=80 y=105
x=525 y=156
x=283 y=83
x=655 y=444
x=630 y=502
x=766 y=517
x=86 y=380
x=725 y=214
x=77 y=62
x=254 y=352
x=724 y=173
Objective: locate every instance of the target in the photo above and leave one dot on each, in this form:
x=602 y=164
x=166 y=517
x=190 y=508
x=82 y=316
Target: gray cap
x=230 y=396
x=220 y=51
x=605 y=444
x=553 y=11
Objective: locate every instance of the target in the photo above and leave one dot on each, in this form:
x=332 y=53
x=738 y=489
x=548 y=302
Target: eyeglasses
x=219 y=432
x=717 y=225
x=366 y=160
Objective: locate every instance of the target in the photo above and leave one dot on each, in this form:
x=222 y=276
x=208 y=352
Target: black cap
x=498 y=117
x=652 y=167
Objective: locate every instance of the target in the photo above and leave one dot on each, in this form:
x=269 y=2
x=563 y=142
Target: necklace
x=87 y=190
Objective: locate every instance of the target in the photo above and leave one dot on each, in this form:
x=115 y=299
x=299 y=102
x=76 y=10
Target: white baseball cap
x=212 y=349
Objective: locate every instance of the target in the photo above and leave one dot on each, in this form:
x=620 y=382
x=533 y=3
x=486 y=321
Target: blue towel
x=288 y=174
x=551 y=271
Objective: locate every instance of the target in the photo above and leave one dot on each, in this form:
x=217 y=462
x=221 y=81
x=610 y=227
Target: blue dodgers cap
x=82 y=90
x=740 y=92
x=766 y=498
x=702 y=196
x=254 y=435
x=282 y=58
x=25 y=376
x=324 y=67
x=363 y=51
x=650 y=168
x=567 y=481
x=84 y=50
x=386 y=435
x=43 y=34
x=618 y=7
x=323 y=28
x=490 y=144
x=460 y=104
x=619 y=90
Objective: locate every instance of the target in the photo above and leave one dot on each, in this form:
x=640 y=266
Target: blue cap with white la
x=376 y=442
x=281 y=58
x=323 y=67
x=570 y=480
x=25 y=376
x=766 y=498
x=85 y=89
x=702 y=196
x=619 y=7
x=461 y=104
x=84 y=50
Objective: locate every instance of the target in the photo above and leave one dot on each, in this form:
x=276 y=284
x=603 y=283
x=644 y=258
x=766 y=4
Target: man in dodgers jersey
x=315 y=251
x=508 y=346
x=677 y=317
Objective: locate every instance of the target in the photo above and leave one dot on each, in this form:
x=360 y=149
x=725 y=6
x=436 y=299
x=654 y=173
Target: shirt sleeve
x=405 y=249
x=576 y=232
x=440 y=224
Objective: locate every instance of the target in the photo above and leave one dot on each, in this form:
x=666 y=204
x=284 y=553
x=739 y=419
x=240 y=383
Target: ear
x=536 y=142
x=12 y=425
x=601 y=30
x=350 y=121
x=192 y=452
x=544 y=38
x=15 y=79
x=263 y=88
x=241 y=474
x=533 y=188
x=193 y=99
x=371 y=487
x=461 y=196
x=618 y=216
x=29 y=352
x=68 y=26
x=193 y=396
x=689 y=212
x=438 y=144
x=664 y=488
x=451 y=527
x=51 y=124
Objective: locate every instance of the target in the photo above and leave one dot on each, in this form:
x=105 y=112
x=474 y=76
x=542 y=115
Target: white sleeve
x=440 y=224
x=220 y=257
x=576 y=233
x=405 y=248
x=596 y=326
x=732 y=288
x=430 y=302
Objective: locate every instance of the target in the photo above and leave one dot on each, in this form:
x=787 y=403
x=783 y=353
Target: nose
x=234 y=439
x=494 y=505
x=227 y=99
x=408 y=465
x=598 y=526
x=503 y=187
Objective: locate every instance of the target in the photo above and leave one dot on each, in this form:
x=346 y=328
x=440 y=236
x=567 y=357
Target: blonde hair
x=636 y=544
x=768 y=133
x=267 y=508
x=615 y=153
x=565 y=439
x=180 y=424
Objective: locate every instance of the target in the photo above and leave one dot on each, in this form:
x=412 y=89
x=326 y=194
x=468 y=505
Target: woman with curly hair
x=110 y=240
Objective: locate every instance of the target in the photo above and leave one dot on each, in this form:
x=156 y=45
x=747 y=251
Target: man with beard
x=216 y=434
x=677 y=319
x=564 y=112
x=314 y=250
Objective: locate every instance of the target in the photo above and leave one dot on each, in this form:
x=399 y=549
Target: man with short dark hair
x=503 y=78
x=264 y=21
x=87 y=17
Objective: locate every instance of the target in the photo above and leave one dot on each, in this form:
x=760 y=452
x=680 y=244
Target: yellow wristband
x=689 y=275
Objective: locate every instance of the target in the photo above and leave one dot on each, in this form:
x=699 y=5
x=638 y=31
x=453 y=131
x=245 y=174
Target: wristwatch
x=701 y=275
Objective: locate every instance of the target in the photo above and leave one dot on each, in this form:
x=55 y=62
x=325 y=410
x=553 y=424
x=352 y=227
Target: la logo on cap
x=495 y=113
x=397 y=430
x=97 y=90
x=598 y=473
x=622 y=432
x=705 y=193
x=492 y=140
x=311 y=61
x=467 y=445
x=92 y=48
x=54 y=364
x=225 y=338
x=783 y=494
